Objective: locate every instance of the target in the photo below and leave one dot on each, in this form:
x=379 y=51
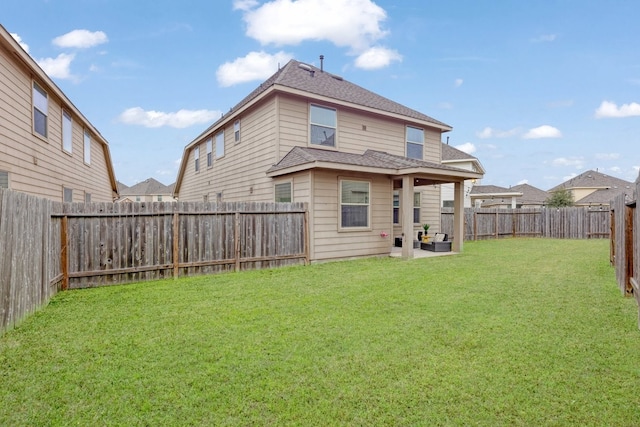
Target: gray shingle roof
x=593 y=179
x=370 y=158
x=491 y=189
x=530 y=194
x=149 y=187
x=307 y=78
x=452 y=153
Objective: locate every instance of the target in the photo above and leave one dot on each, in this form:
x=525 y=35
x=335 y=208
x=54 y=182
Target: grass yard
x=511 y=332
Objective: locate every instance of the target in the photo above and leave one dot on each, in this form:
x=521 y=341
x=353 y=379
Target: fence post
x=176 y=249
x=64 y=253
x=236 y=241
x=475 y=225
x=306 y=237
x=497 y=234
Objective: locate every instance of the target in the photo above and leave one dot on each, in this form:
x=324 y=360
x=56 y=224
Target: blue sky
x=539 y=91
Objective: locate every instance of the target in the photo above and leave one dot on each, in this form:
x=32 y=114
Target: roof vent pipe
x=322 y=63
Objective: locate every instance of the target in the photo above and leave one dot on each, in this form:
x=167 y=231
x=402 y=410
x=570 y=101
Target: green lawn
x=512 y=332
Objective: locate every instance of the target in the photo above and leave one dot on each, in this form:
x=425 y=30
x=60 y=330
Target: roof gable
x=149 y=186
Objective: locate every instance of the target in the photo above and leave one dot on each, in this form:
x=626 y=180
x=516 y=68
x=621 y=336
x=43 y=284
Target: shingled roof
x=148 y=187
x=530 y=195
x=299 y=156
x=452 y=153
x=304 y=77
x=593 y=179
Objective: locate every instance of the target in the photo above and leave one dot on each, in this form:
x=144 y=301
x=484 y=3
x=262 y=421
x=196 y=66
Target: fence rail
x=47 y=246
x=562 y=223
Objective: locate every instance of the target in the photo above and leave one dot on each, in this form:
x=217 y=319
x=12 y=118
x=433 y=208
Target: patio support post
x=458 y=216
x=406 y=206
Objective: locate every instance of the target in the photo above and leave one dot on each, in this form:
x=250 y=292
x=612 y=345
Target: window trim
x=419 y=194
x=67 y=115
x=335 y=127
x=220 y=138
x=236 y=131
x=196 y=158
x=407 y=142
x=35 y=87
x=209 y=153
x=275 y=193
x=341 y=228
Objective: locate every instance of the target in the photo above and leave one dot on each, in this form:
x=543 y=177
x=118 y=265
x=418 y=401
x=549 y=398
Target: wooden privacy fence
x=560 y=223
x=47 y=246
x=625 y=244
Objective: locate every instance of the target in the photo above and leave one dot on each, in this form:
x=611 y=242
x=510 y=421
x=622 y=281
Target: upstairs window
x=209 y=153
x=196 y=155
x=236 y=131
x=220 y=145
x=67 y=129
x=323 y=126
x=283 y=192
x=87 y=147
x=40 y=110
x=415 y=143
x=354 y=204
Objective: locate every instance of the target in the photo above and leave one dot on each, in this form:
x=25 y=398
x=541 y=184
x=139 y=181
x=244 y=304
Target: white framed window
x=354 y=203
x=236 y=131
x=416 y=207
x=87 y=147
x=220 y=145
x=4 y=179
x=415 y=143
x=159 y=197
x=283 y=193
x=67 y=195
x=67 y=132
x=87 y=197
x=323 y=122
x=396 y=206
x=196 y=156
x=209 y=153
x=40 y=110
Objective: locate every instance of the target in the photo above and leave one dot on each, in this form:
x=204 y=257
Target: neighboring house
x=493 y=196
x=532 y=197
x=453 y=157
x=49 y=148
x=595 y=189
x=368 y=167
x=148 y=190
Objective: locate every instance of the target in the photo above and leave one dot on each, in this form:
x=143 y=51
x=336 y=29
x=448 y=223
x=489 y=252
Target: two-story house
x=149 y=190
x=48 y=148
x=307 y=135
x=595 y=189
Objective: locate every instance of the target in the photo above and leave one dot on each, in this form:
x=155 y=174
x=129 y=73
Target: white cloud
x=377 y=57
x=347 y=23
x=522 y=181
x=59 y=67
x=609 y=109
x=254 y=66
x=179 y=119
x=544 y=38
x=544 y=131
x=577 y=162
x=568 y=177
x=20 y=42
x=615 y=169
x=244 y=4
x=467 y=147
x=458 y=82
x=81 y=39
x=607 y=156
x=489 y=132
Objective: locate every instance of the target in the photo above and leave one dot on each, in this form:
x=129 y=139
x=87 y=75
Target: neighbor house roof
x=592 y=179
x=303 y=158
x=149 y=186
x=298 y=77
x=530 y=195
x=452 y=155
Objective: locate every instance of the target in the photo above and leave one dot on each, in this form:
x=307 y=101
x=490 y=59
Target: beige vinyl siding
x=37 y=166
x=329 y=243
x=241 y=173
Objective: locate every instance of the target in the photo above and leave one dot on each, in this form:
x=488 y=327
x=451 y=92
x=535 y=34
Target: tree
x=559 y=199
